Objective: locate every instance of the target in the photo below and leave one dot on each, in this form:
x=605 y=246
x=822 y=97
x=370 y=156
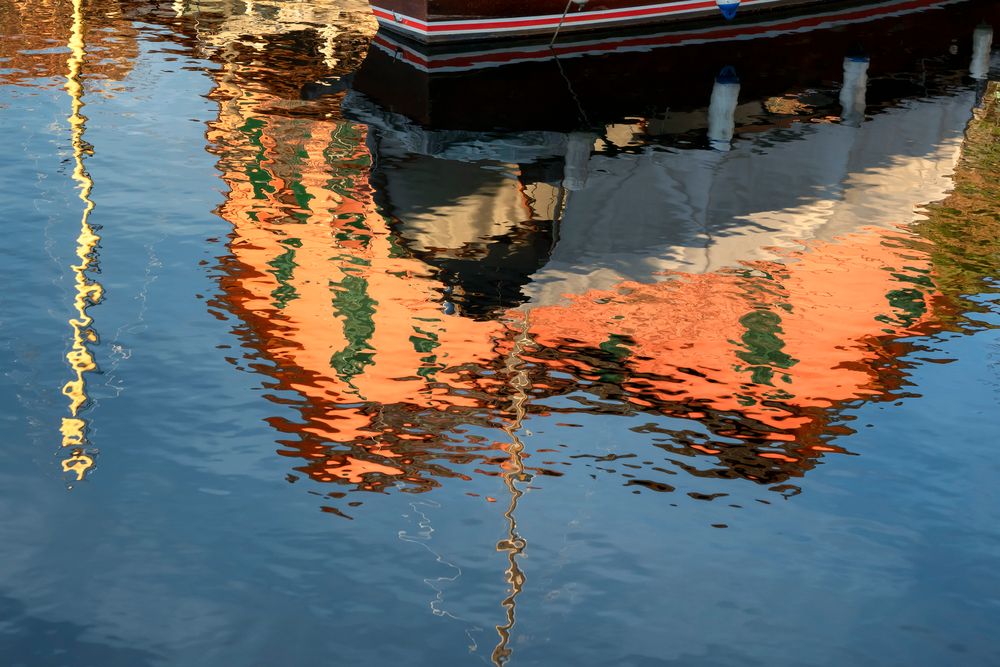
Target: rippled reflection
x=88 y=291
x=86 y=48
x=661 y=270
x=354 y=325
x=34 y=49
x=757 y=289
x=514 y=472
x=384 y=267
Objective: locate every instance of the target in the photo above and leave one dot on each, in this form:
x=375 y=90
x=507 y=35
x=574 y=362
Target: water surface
x=684 y=354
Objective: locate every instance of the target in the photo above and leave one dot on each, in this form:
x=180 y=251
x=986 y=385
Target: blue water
x=543 y=502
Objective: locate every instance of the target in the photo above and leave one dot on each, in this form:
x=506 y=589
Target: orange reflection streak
x=88 y=292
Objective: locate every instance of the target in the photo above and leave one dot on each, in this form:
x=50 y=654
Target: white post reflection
x=853 y=93
x=722 y=109
x=982 y=45
x=577 y=160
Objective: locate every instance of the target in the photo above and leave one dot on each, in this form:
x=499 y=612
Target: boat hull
x=588 y=82
x=435 y=21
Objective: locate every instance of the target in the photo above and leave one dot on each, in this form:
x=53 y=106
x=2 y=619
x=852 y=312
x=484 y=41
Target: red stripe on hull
x=487 y=58
x=490 y=26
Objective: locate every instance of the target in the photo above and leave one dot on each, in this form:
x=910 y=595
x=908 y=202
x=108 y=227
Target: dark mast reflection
x=514 y=472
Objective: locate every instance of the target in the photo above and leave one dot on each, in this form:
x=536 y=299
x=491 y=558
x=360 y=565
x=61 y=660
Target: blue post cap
x=727 y=75
x=728 y=10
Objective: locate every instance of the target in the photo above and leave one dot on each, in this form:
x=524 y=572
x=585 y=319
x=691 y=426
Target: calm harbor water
x=672 y=348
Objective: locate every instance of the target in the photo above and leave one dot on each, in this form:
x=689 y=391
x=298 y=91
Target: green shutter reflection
x=260 y=178
x=351 y=301
x=284 y=270
x=763 y=348
x=425 y=342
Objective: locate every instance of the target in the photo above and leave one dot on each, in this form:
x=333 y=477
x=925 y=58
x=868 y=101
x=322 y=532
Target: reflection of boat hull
x=452 y=20
x=642 y=75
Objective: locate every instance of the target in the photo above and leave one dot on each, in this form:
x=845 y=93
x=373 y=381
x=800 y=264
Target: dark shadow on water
x=31 y=641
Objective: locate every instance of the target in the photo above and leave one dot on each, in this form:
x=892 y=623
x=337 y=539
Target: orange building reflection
x=769 y=355
x=352 y=309
x=351 y=322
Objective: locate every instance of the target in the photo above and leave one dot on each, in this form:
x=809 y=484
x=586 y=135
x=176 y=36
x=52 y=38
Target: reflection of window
x=283 y=269
x=425 y=342
x=351 y=301
x=763 y=347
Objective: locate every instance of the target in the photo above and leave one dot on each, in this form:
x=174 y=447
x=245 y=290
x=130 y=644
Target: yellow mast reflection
x=88 y=292
x=513 y=544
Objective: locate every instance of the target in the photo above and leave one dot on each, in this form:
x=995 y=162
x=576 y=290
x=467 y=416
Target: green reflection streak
x=284 y=271
x=763 y=348
x=344 y=141
x=260 y=178
x=425 y=343
x=302 y=197
x=352 y=302
x=617 y=347
x=908 y=304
